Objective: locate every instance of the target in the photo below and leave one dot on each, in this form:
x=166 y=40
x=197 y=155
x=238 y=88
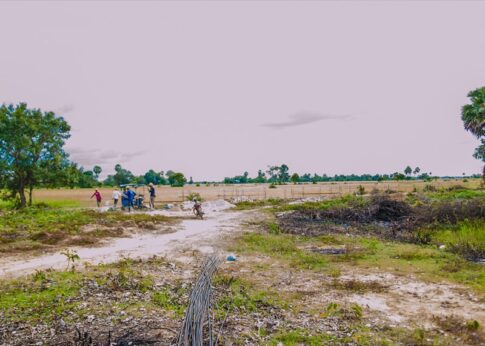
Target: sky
x=213 y=89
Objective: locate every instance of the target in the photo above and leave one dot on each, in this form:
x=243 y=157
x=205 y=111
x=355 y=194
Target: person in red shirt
x=98 y=197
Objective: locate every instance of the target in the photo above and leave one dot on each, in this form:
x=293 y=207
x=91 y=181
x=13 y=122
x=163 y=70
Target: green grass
x=459 y=194
x=35 y=227
x=49 y=295
x=246 y=205
x=281 y=246
x=424 y=261
x=241 y=295
x=467 y=238
x=41 y=298
x=301 y=337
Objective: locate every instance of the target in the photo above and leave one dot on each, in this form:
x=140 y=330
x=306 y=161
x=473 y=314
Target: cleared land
x=81 y=197
x=387 y=269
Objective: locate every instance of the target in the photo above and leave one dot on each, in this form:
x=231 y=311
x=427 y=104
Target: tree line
x=280 y=175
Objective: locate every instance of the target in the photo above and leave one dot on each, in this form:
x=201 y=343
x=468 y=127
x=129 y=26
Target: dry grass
x=253 y=191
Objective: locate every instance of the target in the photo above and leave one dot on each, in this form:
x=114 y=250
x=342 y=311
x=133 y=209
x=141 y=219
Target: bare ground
x=396 y=309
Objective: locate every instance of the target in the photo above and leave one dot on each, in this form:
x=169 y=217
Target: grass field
x=81 y=197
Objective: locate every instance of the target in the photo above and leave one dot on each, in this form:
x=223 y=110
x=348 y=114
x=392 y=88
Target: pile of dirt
x=382 y=216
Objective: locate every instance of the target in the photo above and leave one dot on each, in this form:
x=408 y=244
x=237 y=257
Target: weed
x=71 y=257
x=358 y=286
x=194 y=195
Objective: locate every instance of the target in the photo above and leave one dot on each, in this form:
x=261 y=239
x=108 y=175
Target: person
x=98 y=197
x=197 y=208
x=151 y=190
x=130 y=196
x=116 y=197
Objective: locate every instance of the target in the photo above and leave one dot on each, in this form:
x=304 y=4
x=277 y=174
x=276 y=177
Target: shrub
x=192 y=195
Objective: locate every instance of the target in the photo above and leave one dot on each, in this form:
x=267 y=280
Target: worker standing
x=130 y=196
x=97 y=194
x=116 y=197
x=151 y=190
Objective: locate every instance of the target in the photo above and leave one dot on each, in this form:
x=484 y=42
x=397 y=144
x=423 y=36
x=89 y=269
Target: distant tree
x=295 y=178
x=155 y=178
x=31 y=147
x=273 y=173
x=261 y=178
x=97 y=171
x=473 y=116
x=191 y=181
x=109 y=181
x=408 y=170
x=283 y=175
x=416 y=170
x=177 y=179
x=398 y=176
x=122 y=176
x=278 y=174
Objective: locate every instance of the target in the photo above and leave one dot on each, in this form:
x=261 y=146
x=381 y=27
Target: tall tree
x=177 y=179
x=473 y=116
x=122 y=176
x=155 y=178
x=408 y=170
x=97 y=171
x=31 y=143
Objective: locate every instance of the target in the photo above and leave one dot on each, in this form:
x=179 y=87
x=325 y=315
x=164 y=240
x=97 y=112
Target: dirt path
x=191 y=234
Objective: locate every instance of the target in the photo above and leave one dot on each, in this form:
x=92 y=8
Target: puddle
x=190 y=233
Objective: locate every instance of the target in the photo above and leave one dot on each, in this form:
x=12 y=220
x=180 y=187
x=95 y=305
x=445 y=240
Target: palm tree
x=473 y=116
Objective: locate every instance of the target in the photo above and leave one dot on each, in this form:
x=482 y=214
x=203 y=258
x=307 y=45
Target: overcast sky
x=213 y=89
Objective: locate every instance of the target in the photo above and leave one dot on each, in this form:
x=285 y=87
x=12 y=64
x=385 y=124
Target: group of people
x=128 y=197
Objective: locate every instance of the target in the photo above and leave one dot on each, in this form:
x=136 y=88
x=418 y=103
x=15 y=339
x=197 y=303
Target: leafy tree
x=283 y=175
x=273 y=173
x=473 y=116
x=31 y=143
x=109 y=181
x=177 y=179
x=155 y=178
x=97 y=171
x=261 y=178
x=398 y=176
x=295 y=178
x=416 y=170
x=408 y=170
x=278 y=173
x=122 y=176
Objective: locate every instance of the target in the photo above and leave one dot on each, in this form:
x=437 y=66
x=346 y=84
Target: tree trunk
x=23 y=200
x=31 y=188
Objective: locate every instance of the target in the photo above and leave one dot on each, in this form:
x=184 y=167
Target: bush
x=192 y=195
x=430 y=188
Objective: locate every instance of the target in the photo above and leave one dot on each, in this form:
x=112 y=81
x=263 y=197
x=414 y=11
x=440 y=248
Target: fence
x=300 y=191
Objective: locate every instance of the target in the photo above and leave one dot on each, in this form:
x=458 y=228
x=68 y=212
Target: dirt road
x=190 y=234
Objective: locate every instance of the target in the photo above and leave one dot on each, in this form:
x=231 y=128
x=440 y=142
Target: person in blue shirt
x=130 y=197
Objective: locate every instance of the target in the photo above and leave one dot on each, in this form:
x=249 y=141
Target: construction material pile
x=197 y=326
